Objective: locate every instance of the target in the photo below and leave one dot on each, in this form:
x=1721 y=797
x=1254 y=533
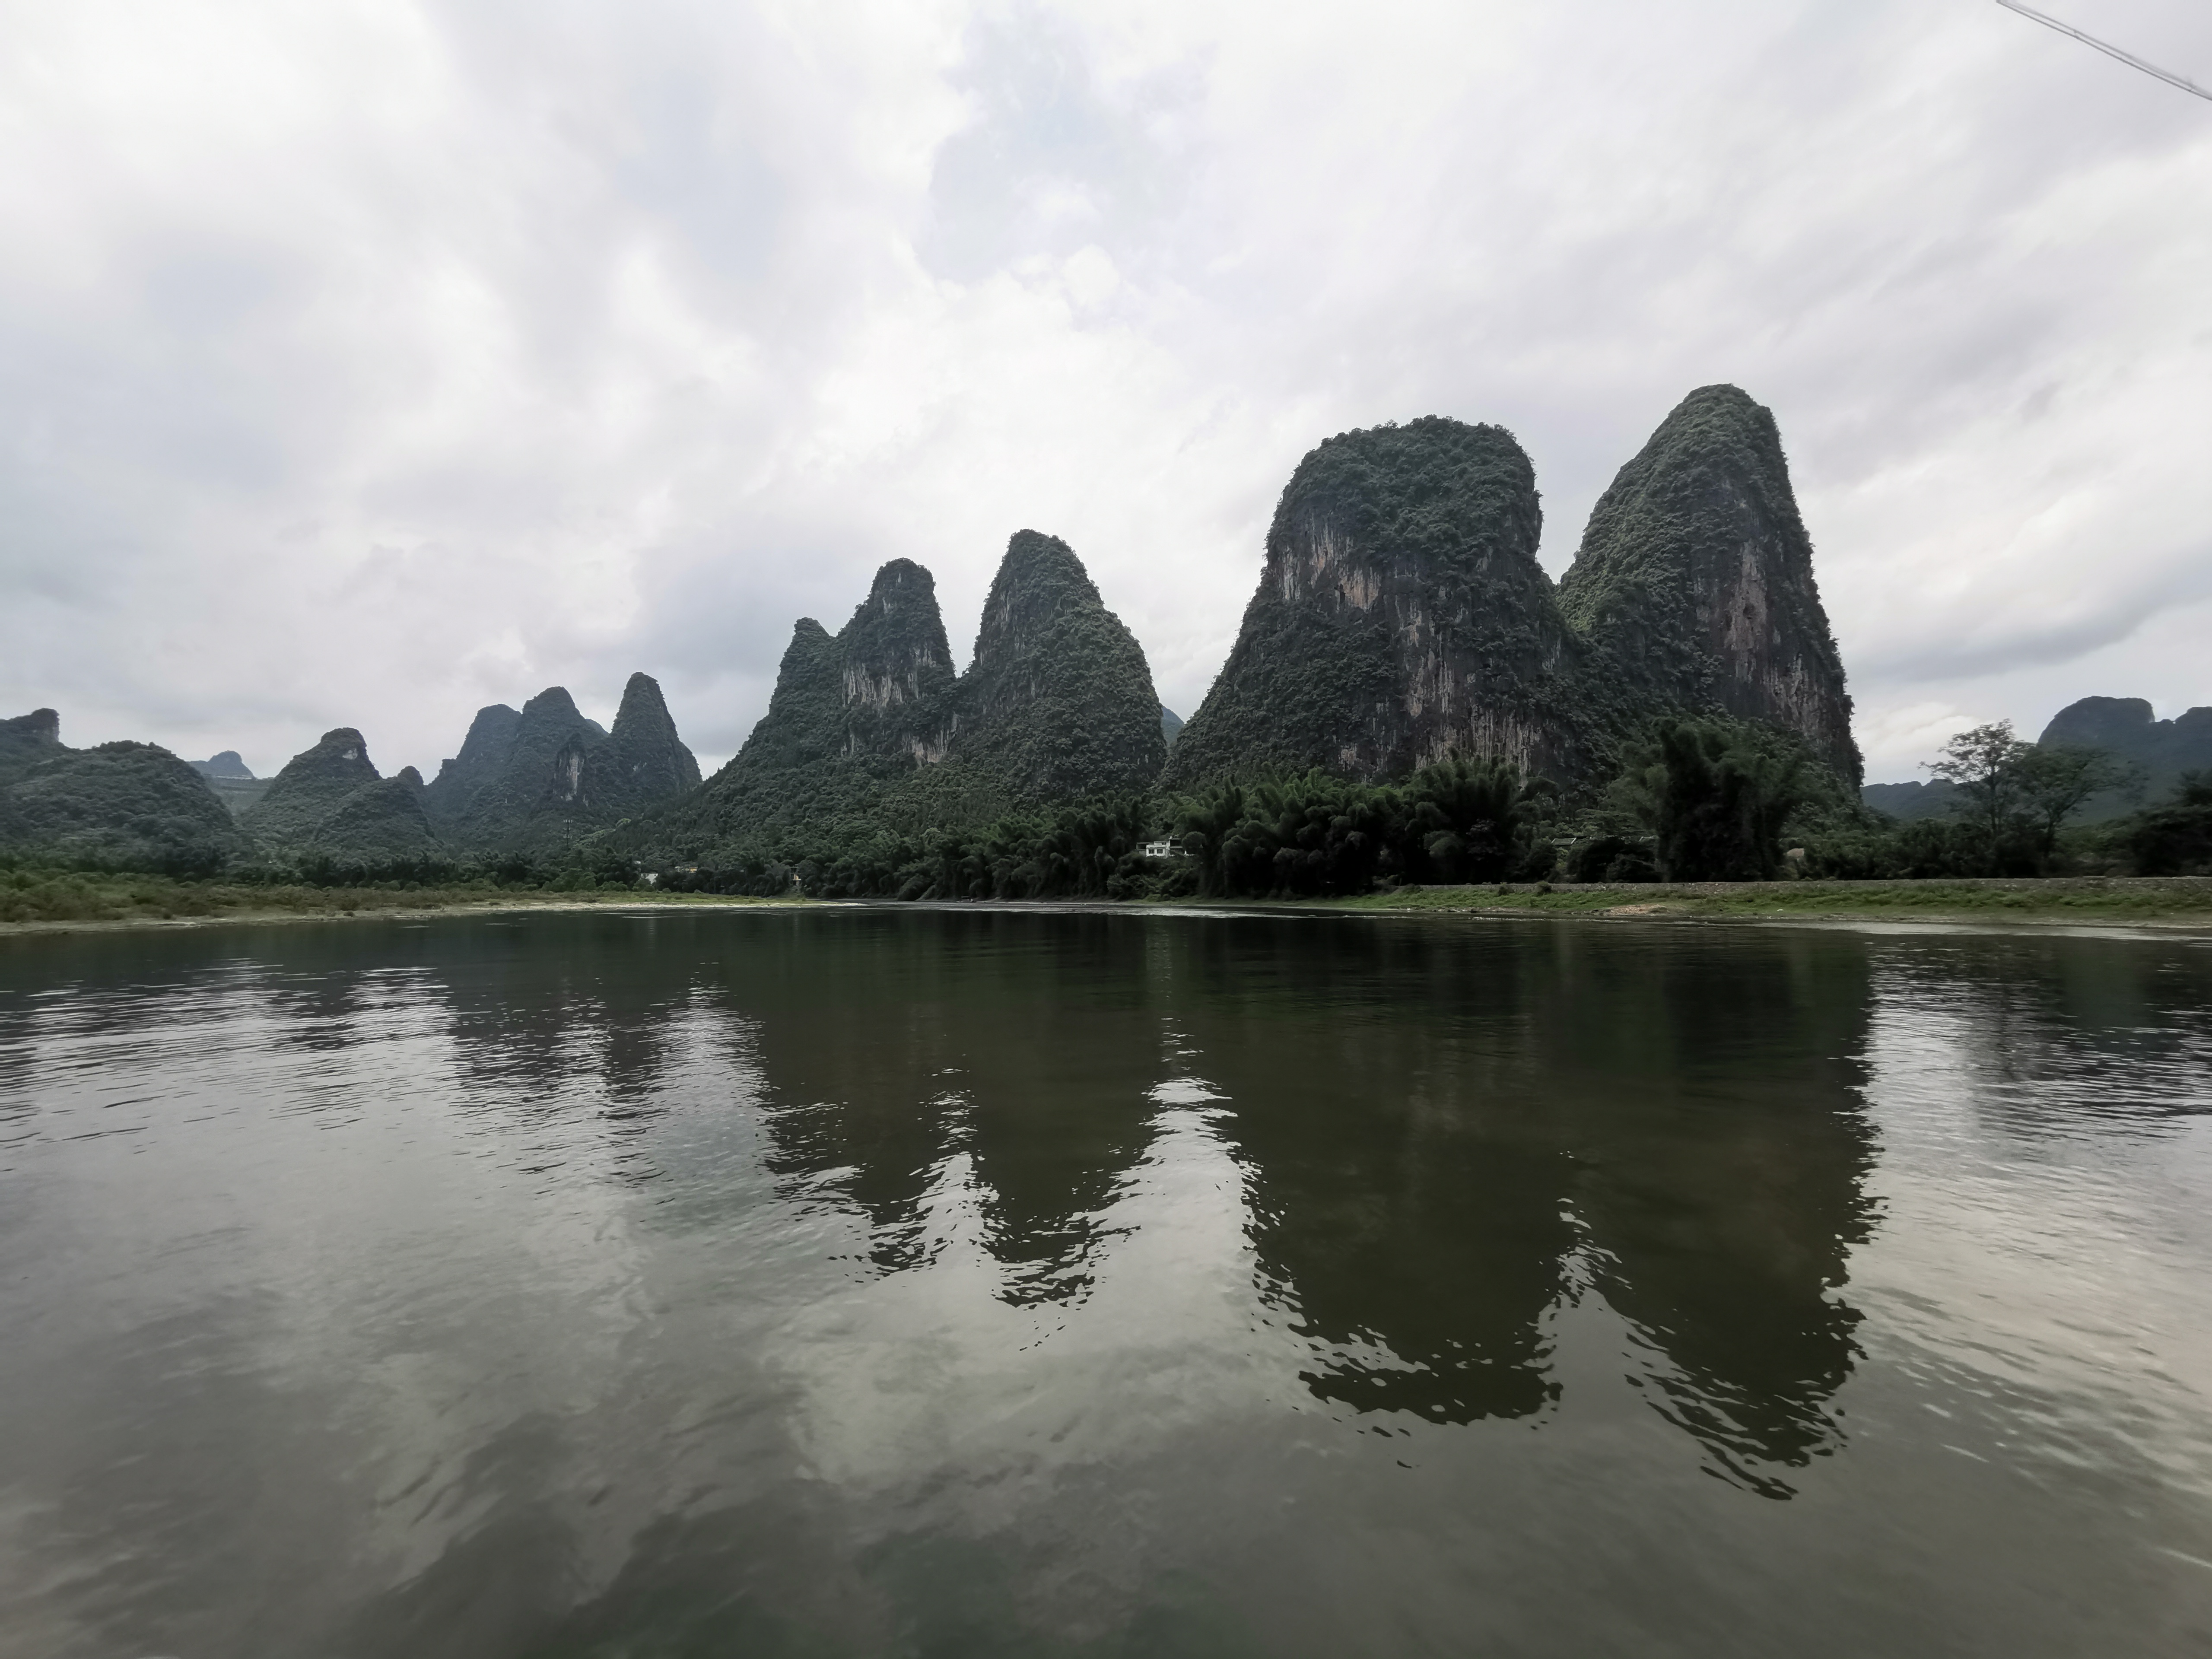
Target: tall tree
x=2057 y=778
x=1990 y=765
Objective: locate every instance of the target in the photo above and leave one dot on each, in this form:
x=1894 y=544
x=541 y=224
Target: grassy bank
x=2164 y=901
x=32 y=898
x=46 y=899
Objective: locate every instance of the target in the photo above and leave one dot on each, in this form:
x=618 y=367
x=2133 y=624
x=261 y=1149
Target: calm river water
x=883 y=1282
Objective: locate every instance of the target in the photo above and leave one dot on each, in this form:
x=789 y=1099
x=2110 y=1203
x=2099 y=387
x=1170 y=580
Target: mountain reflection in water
x=906 y=1280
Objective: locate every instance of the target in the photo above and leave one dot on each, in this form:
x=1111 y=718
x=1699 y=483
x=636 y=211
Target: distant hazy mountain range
x=2161 y=749
x=532 y=782
x=1400 y=616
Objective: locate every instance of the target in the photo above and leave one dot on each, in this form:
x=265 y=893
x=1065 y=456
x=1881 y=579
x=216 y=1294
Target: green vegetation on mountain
x=538 y=779
x=117 y=805
x=1693 y=584
x=870 y=740
x=483 y=755
x=1057 y=702
x=1401 y=617
x=543 y=753
x=27 y=739
x=309 y=789
x=2173 y=838
x=2159 y=753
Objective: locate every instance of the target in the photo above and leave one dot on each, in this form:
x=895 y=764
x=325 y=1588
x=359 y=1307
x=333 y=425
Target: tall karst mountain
x=330 y=800
x=1401 y=617
x=1401 y=614
x=1695 y=581
x=871 y=722
x=547 y=774
x=1058 y=699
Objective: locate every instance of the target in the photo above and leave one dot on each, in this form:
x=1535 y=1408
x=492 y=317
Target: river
x=909 y=1281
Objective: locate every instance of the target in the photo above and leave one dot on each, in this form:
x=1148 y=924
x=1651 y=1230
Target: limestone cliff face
x=851 y=714
x=1694 y=584
x=894 y=670
x=1401 y=617
x=1058 y=700
x=27 y=739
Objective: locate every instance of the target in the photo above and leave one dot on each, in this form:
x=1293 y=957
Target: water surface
x=896 y=1281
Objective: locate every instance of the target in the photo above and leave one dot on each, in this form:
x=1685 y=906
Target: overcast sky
x=363 y=364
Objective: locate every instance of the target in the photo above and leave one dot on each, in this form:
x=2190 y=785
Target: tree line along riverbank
x=62 y=900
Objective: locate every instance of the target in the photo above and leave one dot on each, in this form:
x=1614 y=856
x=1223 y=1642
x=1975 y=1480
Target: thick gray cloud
x=363 y=364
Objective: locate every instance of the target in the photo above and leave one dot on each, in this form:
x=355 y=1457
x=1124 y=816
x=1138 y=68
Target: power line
x=2108 y=49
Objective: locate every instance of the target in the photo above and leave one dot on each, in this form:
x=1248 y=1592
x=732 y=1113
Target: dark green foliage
x=2161 y=752
x=1401 y=615
x=1087 y=849
x=378 y=824
x=309 y=789
x=118 y=806
x=1715 y=804
x=27 y=739
x=643 y=761
x=543 y=755
x=1612 y=857
x=1906 y=801
x=1693 y=584
x=1988 y=768
x=2058 y=780
x=544 y=777
x=483 y=755
x=871 y=745
x=1476 y=820
x=1312 y=834
x=1058 y=700
x=2174 y=838
x=330 y=809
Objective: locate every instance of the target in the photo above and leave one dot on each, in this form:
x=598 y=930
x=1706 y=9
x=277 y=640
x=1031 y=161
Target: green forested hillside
x=118 y=805
x=869 y=733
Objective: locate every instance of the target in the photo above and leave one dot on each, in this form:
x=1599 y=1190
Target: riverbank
x=2178 y=902
x=55 y=903
x=47 y=902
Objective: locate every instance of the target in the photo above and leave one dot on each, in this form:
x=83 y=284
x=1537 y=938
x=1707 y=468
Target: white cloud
x=366 y=363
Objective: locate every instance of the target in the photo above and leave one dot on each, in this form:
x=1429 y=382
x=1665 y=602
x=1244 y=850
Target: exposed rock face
x=228 y=764
x=894 y=670
x=1058 y=700
x=1401 y=617
x=309 y=789
x=851 y=714
x=29 y=738
x=1694 y=581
